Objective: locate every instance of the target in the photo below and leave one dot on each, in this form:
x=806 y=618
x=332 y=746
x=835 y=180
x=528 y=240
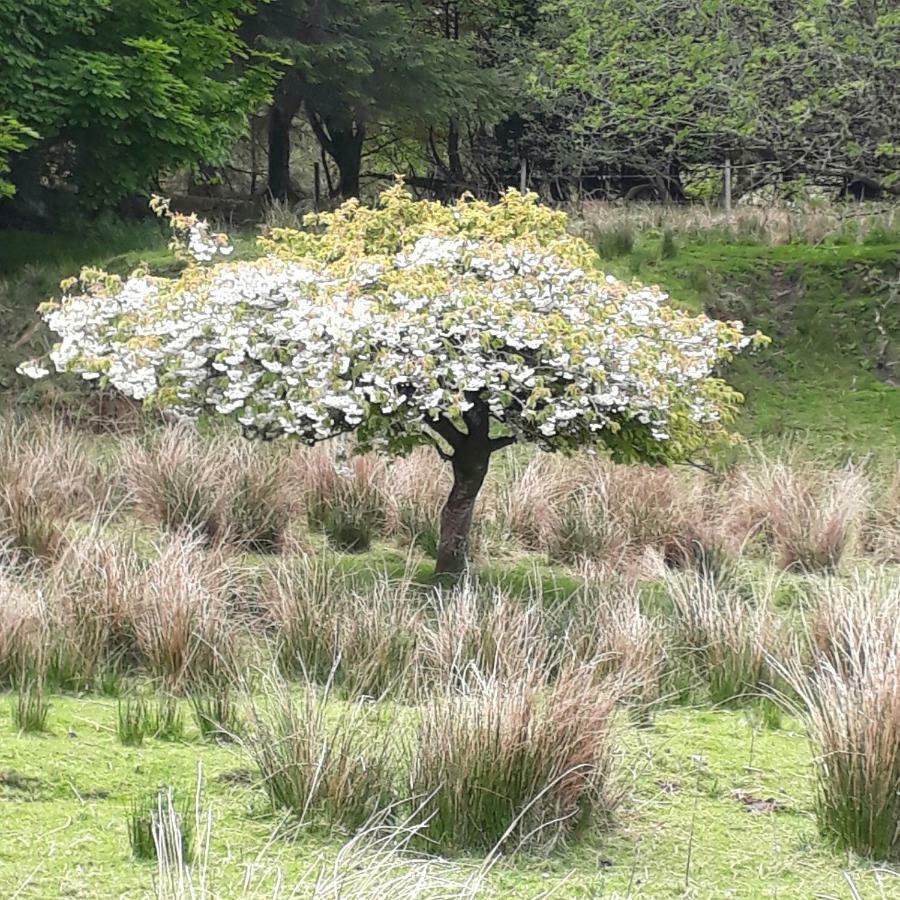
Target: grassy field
x=719 y=806
x=653 y=683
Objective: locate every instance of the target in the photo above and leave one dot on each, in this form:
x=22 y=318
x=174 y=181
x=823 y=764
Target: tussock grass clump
x=470 y=636
x=343 y=497
x=330 y=631
x=30 y=706
x=586 y=527
x=46 y=480
x=159 y=825
x=609 y=513
x=184 y=634
x=727 y=635
x=529 y=501
x=882 y=527
x=614 y=241
x=811 y=516
x=416 y=488
x=172 y=482
x=91 y=591
x=258 y=508
x=139 y=716
x=850 y=699
x=603 y=627
x=221 y=489
x=132 y=720
x=300 y=599
x=24 y=628
x=377 y=640
x=508 y=764
x=316 y=763
x=216 y=713
x=166 y=718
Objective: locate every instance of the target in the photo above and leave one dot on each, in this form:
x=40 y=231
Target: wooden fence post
x=728 y=185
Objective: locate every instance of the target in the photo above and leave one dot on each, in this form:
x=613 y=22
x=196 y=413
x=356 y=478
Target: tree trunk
x=279 y=153
x=346 y=151
x=470 y=466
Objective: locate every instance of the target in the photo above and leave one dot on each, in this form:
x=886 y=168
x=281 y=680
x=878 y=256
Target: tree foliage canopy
x=405 y=321
x=119 y=92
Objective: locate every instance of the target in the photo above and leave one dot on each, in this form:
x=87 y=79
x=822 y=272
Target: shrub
x=314 y=764
x=506 y=764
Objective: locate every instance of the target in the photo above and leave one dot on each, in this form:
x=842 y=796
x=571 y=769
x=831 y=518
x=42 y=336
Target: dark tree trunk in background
x=279 y=153
x=470 y=466
x=346 y=151
x=285 y=106
x=342 y=139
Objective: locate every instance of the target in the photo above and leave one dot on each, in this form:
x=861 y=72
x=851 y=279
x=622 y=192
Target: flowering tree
x=471 y=326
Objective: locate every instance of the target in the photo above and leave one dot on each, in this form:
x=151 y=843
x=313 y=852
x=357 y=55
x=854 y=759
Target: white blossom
x=321 y=336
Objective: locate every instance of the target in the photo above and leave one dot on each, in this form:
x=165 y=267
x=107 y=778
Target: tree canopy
x=473 y=326
x=116 y=93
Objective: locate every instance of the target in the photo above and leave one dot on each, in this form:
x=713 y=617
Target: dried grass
x=850 y=700
x=507 y=764
x=810 y=516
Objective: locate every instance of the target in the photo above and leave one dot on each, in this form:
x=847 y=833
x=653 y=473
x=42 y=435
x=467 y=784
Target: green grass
x=823 y=305
x=66 y=797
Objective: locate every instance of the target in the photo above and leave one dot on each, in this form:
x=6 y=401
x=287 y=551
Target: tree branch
x=498 y=443
x=447 y=430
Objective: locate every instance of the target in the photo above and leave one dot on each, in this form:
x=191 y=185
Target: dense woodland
x=322 y=100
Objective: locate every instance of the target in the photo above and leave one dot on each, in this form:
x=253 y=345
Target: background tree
x=470 y=326
x=660 y=86
x=118 y=93
x=361 y=69
x=13 y=137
